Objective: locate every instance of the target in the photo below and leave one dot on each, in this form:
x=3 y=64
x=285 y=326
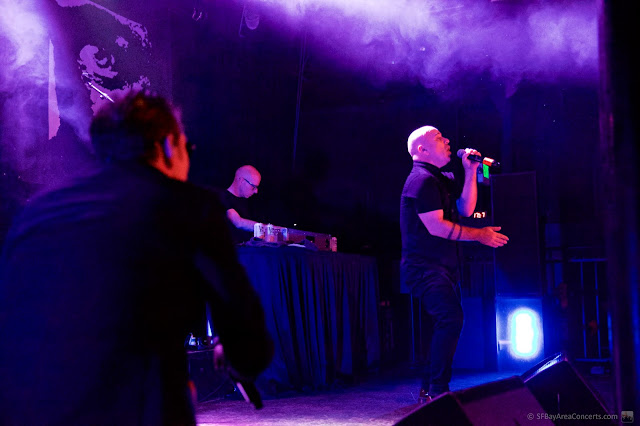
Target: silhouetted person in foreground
x=429 y=209
x=99 y=279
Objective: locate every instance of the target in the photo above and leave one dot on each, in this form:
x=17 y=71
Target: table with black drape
x=322 y=311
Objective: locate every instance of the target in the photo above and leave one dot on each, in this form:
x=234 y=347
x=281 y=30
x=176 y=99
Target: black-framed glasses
x=252 y=185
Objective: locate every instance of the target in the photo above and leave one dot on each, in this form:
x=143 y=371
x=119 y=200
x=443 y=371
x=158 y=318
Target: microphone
x=102 y=94
x=484 y=160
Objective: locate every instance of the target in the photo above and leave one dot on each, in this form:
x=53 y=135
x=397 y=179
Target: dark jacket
x=98 y=284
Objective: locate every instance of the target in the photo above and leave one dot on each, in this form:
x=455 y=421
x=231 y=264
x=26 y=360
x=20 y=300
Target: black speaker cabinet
x=209 y=383
x=505 y=402
x=560 y=389
x=515 y=209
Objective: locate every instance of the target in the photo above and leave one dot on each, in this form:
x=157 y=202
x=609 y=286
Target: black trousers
x=439 y=292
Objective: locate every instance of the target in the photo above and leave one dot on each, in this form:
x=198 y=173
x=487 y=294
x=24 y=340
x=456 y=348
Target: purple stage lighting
x=432 y=42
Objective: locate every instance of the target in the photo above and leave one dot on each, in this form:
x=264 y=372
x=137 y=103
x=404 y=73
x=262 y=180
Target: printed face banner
x=61 y=61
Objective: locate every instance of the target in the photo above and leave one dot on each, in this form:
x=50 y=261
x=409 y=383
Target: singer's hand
x=469 y=165
x=490 y=237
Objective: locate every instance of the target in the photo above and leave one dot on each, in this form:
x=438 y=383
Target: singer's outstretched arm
x=438 y=226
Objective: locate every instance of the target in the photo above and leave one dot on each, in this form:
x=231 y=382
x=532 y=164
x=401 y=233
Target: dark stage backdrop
x=239 y=87
x=238 y=90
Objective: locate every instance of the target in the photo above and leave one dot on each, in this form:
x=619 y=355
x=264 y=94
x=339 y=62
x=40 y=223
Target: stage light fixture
x=519 y=331
x=525 y=331
x=250 y=19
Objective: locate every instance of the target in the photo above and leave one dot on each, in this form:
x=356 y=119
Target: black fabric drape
x=321 y=309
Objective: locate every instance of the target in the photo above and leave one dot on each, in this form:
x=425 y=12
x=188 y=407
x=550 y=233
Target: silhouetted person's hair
x=127 y=129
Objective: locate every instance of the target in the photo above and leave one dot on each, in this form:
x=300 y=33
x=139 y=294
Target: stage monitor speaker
x=505 y=402
x=209 y=383
x=560 y=389
x=515 y=209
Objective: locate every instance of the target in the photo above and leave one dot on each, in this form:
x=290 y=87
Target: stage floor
x=382 y=400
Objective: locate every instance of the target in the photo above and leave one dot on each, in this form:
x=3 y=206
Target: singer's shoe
x=424 y=397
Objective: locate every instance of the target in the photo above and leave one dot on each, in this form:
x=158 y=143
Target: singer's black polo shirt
x=427 y=189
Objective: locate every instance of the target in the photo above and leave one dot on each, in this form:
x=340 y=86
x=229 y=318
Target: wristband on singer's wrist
x=451 y=232
x=459 y=233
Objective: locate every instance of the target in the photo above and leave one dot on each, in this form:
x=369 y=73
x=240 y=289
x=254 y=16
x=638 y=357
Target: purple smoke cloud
x=434 y=42
x=23 y=79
